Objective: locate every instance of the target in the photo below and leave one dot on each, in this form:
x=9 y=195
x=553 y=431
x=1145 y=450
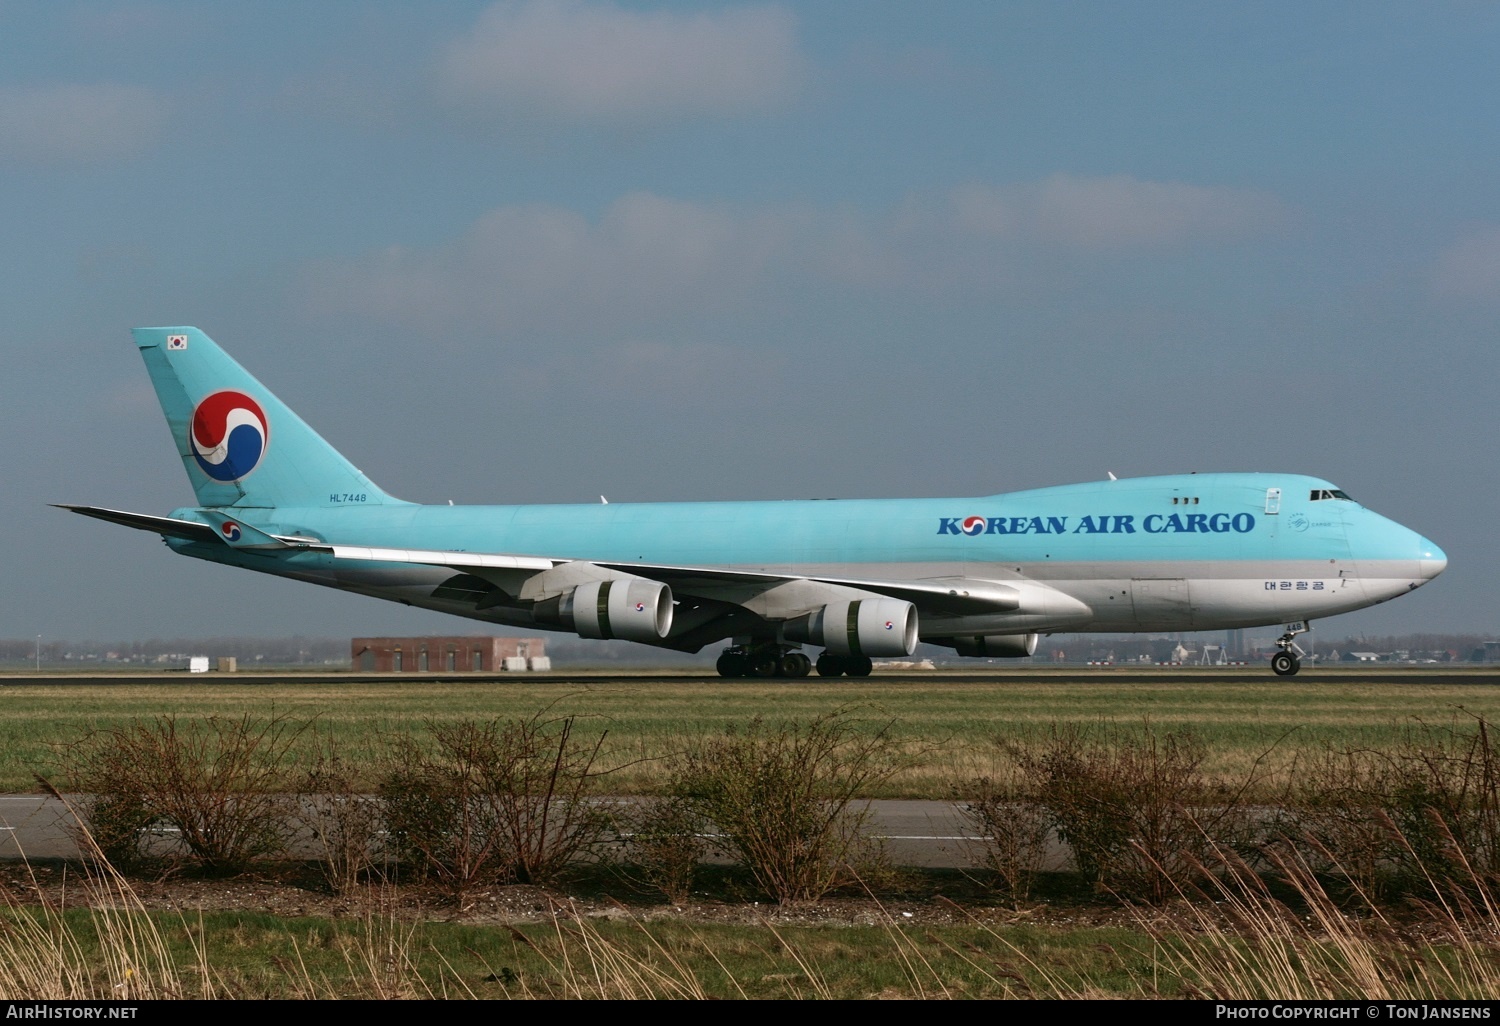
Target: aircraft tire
x=795 y=664
x=1284 y=664
x=830 y=665
x=730 y=664
x=860 y=666
x=763 y=665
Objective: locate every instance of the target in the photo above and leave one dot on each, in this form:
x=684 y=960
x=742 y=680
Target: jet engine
x=630 y=608
x=1003 y=646
x=867 y=627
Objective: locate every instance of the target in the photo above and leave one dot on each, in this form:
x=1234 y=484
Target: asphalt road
x=926 y=834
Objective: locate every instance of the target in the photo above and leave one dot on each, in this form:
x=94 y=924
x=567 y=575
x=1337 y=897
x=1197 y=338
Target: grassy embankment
x=951 y=723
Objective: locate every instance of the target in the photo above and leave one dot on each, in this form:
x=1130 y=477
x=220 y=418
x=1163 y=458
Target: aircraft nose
x=1431 y=560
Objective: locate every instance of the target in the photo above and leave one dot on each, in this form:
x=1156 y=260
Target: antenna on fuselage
x=1111 y=474
x=603 y=501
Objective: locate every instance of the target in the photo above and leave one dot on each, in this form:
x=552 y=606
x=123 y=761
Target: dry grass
x=646 y=718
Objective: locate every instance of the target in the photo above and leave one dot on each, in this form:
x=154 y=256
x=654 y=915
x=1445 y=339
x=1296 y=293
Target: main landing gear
x=772 y=659
x=764 y=660
x=1288 y=661
x=830 y=665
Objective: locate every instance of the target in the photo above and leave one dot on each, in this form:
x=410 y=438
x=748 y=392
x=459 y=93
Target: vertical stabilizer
x=241 y=445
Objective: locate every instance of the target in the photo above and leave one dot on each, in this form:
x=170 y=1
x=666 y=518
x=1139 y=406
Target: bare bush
x=1012 y=825
x=664 y=839
x=341 y=821
x=1336 y=818
x=220 y=783
x=1445 y=801
x=1135 y=808
x=785 y=799
x=1424 y=814
x=501 y=800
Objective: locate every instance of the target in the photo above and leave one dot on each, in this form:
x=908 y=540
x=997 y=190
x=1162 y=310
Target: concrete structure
x=447 y=654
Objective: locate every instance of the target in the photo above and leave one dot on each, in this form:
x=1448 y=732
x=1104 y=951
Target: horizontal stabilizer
x=168 y=527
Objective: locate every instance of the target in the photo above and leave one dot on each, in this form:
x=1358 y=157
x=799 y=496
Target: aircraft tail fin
x=242 y=446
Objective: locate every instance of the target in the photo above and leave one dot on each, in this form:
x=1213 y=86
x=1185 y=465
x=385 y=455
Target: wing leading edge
x=522 y=580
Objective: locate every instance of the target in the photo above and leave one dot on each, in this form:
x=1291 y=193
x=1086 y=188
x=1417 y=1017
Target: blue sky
x=520 y=252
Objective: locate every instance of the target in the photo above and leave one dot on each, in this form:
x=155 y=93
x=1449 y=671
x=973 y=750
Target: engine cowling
x=1000 y=646
x=630 y=609
x=868 y=627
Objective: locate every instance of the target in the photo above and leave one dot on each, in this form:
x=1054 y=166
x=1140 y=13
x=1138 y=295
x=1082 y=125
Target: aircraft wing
x=508 y=572
x=531 y=578
x=950 y=595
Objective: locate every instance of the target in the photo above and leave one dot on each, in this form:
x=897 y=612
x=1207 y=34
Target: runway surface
x=1342 y=673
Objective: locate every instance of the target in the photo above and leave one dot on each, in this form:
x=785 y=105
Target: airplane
x=859 y=578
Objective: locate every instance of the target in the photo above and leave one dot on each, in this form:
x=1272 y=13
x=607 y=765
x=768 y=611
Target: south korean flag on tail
x=176 y=342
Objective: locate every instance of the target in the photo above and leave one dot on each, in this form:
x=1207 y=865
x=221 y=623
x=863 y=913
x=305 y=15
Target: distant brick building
x=448 y=655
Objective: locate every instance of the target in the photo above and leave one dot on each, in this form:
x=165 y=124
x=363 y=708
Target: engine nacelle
x=867 y=627
x=630 y=608
x=1001 y=646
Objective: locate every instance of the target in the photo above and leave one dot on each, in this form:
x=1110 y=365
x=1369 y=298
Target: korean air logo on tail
x=229 y=435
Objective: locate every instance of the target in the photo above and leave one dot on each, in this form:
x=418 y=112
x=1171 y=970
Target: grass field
x=255 y=955
x=951 y=722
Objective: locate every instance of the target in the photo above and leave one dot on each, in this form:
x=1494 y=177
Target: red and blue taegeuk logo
x=972 y=526
x=230 y=434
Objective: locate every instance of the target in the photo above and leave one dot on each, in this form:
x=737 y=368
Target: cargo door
x=1162 y=603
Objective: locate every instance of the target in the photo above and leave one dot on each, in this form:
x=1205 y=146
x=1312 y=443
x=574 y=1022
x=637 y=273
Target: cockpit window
x=1329 y=493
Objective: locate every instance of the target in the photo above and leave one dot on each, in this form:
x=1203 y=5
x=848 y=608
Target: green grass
x=253 y=955
x=951 y=722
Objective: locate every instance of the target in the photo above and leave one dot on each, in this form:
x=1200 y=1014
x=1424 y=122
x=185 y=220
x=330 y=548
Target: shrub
x=1335 y=818
x=500 y=800
x=1425 y=814
x=341 y=822
x=664 y=839
x=219 y=782
x=1012 y=825
x=785 y=799
x=1134 y=808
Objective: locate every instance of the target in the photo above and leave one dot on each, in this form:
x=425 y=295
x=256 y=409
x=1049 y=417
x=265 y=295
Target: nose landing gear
x=1288 y=661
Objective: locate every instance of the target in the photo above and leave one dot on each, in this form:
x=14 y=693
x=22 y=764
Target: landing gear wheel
x=730 y=664
x=795 y=664
x=860 y=666
x=830 y=665
x=1285 y=664
x=763 y=664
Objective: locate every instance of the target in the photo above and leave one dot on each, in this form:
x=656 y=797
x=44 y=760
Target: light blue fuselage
x=1183 y=552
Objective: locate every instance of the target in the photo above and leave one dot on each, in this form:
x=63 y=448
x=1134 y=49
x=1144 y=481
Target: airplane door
x=1162 y=603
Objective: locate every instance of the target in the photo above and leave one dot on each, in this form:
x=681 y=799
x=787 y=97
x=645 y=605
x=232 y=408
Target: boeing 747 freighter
x=985 y=576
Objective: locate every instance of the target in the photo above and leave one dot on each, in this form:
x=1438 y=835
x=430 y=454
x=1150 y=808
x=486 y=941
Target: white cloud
x=65 y=124
x=1470 y=269
x=599 y=62
x=649 y=259
x=533 y=266
x=1116 y=211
